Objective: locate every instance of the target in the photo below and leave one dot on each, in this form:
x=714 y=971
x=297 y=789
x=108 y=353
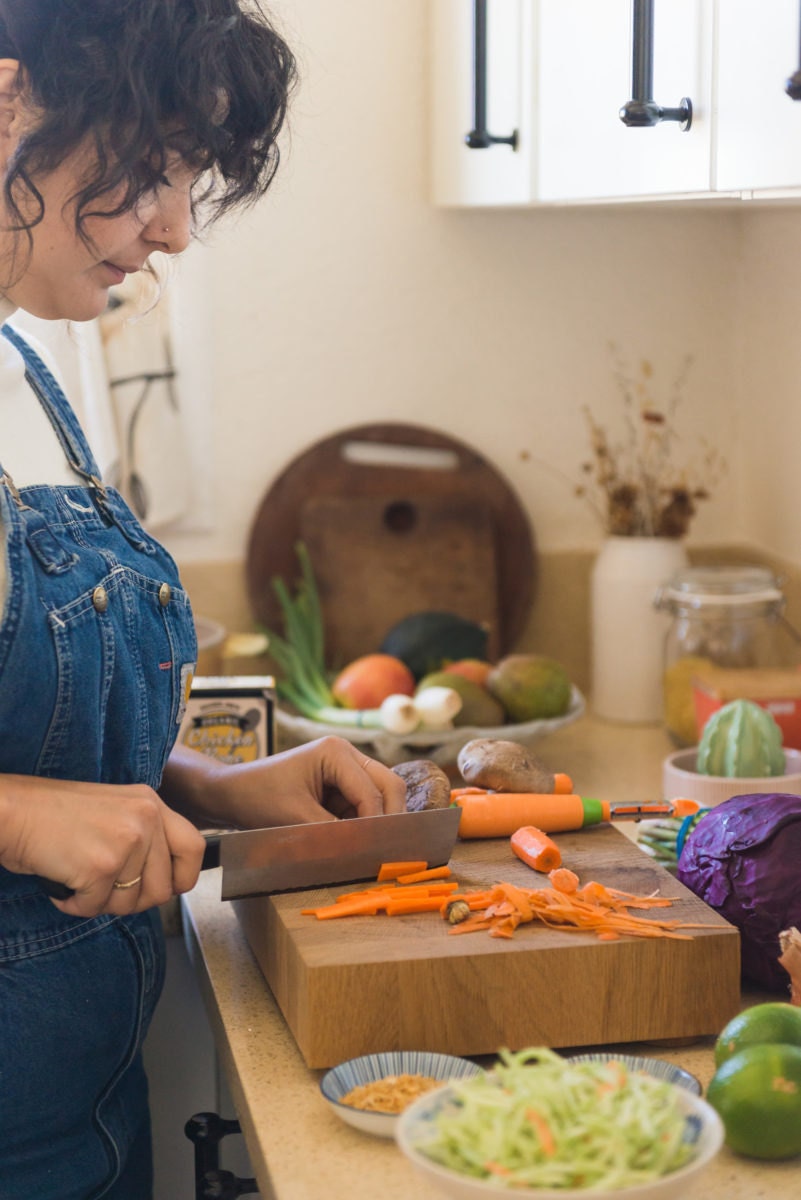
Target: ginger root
x=790 y=959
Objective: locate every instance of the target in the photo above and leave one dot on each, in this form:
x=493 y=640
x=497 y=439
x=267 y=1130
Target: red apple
x=474 y=669
x=367 y=681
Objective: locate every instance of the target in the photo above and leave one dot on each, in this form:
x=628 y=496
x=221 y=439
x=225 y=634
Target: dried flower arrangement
x=633 y=485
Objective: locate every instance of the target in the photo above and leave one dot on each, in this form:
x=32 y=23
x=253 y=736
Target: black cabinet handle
x=642 y=110
x=793 y=85
x=479 y=137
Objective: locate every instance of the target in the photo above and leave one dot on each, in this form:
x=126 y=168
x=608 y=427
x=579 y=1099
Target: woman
x=120 y=120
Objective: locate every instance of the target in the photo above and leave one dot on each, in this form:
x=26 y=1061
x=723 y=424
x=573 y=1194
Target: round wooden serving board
x=397 y=519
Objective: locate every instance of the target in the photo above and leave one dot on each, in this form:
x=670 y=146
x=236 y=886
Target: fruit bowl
x=441 y=745
x=680 y=778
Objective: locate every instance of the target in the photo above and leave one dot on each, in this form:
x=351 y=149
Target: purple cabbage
x=743 y=859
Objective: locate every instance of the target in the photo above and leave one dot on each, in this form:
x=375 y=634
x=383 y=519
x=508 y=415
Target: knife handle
x=55 y=890
x=60 y=891
x=211 y=855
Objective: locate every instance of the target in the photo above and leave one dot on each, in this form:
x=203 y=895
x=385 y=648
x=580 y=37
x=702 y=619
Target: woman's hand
x=319 y=781
x=120 y=848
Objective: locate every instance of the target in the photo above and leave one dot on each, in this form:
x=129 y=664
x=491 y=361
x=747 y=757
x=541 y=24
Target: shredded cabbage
x=539 y=1120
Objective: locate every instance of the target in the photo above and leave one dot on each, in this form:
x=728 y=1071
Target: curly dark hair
x=145 y=78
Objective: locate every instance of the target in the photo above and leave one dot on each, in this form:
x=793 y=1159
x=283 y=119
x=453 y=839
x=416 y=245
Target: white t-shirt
x=30 y=451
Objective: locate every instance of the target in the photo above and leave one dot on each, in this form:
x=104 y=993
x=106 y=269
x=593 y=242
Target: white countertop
x=299 y=1149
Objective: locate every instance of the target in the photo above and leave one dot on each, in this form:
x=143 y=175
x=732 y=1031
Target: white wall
x=767 y=325
x=345 y=297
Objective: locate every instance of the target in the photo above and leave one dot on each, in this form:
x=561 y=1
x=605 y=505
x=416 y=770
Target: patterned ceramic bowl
x=370 y=1068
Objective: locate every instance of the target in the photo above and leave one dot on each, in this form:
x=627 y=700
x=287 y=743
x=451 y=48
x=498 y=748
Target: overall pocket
x=122 y=649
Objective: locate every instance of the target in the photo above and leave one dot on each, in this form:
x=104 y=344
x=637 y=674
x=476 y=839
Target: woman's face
x=67 y=277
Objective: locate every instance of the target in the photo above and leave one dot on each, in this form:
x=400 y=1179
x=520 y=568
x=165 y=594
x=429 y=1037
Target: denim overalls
x=97 y=649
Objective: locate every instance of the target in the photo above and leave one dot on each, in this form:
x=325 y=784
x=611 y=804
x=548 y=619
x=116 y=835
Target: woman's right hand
x=91 y=836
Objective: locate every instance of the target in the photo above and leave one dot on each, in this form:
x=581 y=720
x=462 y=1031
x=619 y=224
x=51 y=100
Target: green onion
x=300 y=654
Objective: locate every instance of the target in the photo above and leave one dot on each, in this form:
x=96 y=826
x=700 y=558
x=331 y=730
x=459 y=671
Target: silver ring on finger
x=118 y=883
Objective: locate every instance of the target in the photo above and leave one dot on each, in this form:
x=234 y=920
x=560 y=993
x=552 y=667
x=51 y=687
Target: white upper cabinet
x=586 y=59
x=758 y=124
x=556 y=74
x=499 y=173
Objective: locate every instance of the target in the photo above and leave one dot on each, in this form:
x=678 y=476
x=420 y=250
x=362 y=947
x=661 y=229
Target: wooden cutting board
x=366 y=984
x=397 y=519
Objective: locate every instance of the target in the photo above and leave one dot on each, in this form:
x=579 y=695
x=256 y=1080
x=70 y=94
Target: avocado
x=478 y=706
x=427 y=640
x=530 y=687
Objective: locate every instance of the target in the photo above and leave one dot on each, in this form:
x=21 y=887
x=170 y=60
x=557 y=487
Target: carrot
x=391 y=870
x=499 y=814
x=564 y=880
x=429 y=889
x=536 y=849
x=562 y=784
x=424 y=876
x=413 y=904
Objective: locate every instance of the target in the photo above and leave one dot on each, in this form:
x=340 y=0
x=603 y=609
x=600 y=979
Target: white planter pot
x=627 y=632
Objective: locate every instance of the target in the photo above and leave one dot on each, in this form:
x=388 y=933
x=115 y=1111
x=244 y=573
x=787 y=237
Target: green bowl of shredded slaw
x=560 y=1129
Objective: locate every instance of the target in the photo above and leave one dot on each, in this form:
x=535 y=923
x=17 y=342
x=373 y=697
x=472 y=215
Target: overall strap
x=57 y=407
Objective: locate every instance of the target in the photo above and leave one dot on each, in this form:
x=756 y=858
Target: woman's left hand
x=319 y=781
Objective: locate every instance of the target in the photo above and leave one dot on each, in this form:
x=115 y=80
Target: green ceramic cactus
x=741 y=739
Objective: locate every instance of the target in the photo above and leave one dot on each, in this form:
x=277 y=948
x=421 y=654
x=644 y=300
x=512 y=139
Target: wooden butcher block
x=365 y=984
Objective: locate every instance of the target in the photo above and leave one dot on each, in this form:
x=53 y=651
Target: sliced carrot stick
x=443 y=888
x=364 y=908
x=536 y=849
x=423 y=876
x=562 y=784
x=391 y=870
x=415 y=904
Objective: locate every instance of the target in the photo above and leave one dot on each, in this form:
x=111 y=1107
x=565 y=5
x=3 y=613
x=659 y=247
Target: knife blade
x=286 y=858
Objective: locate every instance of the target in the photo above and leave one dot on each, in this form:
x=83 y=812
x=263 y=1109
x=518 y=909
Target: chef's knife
x=286 y=858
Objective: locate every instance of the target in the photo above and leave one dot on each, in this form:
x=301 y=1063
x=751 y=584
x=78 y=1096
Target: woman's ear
x=11 y=107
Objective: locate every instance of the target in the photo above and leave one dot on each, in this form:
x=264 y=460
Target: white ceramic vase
x=627 y=632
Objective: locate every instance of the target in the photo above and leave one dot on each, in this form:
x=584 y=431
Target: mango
x=530 y=687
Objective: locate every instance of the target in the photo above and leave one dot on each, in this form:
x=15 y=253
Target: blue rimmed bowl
x=650 y=1066
x=370 y=1068
x=703 y=1132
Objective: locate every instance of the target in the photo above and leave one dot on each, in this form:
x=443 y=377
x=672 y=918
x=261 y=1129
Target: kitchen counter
x=298 y=1148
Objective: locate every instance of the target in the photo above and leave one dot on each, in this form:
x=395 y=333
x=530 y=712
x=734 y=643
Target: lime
x=773 y=1022
x=757 y=1093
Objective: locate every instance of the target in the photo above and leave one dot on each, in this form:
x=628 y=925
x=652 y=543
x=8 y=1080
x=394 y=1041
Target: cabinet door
x=498 y=175
x=758 y=125
x=585 y=77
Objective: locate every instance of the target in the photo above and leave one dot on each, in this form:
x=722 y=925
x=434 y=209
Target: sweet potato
x=504 y=766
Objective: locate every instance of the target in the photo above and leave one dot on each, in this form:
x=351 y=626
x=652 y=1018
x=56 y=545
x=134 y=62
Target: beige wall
x=345 y=297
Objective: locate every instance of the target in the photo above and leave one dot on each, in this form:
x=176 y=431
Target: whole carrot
x=536 y=849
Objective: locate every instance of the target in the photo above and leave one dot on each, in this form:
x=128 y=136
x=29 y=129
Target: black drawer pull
x=642 y=110
x=479 y=137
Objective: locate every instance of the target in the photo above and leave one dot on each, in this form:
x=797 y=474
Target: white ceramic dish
x=703 y=1128
x=441 y=746
x=337 y=1082
x=651 y=1066
x=680 y=778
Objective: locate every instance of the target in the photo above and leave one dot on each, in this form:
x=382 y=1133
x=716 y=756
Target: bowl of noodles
x=371 y=1092
x=560 y=1130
